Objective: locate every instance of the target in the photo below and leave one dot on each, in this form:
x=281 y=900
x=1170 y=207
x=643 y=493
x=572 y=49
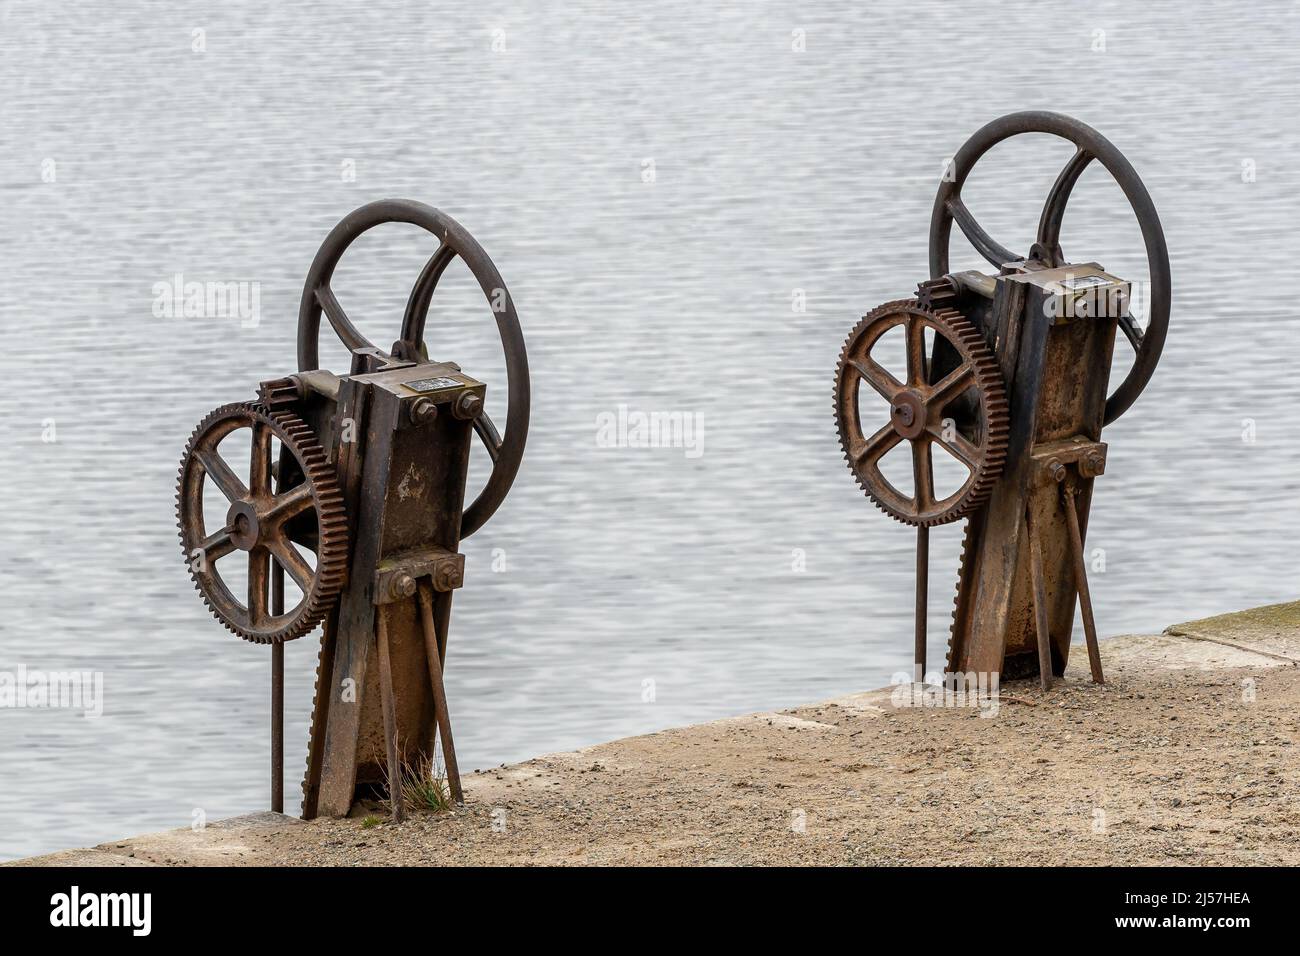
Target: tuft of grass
x=370 y=822
x=424 y=786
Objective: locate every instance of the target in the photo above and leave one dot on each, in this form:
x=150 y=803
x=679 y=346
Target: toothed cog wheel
x=953 y=399
x=266 y=518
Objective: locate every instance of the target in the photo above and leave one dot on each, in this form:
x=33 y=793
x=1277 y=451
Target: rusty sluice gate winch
x=370 y=481
x=1007 y=374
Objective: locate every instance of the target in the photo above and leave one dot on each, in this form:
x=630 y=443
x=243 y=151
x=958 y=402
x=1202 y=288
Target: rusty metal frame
x=1023 y=564
x=390 y=504
x=405 y=565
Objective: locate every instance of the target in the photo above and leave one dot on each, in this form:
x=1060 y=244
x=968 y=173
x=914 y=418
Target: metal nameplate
x=425 y=385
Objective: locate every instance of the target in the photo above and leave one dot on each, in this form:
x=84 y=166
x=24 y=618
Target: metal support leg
x=1081 y=584
x=390 y=715
x=440 y=711
x=277 y=695
x=1040 y=605
x=922 y=600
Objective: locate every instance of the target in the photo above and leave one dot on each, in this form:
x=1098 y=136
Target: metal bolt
x=1093 y=464
x=423 y=411
x=448 y=577
x=401 y=586
x=467 y=407
x=1056 y=469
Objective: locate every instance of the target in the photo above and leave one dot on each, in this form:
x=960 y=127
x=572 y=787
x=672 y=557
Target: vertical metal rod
x=390 y=715
x=277 y=694
x=440 y=711
x=441 y=621
x=1081 y=584
x=922 y=600
x=1040 y=605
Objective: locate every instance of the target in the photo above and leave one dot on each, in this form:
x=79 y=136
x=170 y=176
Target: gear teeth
x=936 y=294
x=327 y=499
x=951 y=659
x=995 y=410
x=315 y=709
x=280 y=394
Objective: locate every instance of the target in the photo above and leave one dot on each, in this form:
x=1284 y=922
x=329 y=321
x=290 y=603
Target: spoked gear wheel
x=964 y=411
x=260 y=521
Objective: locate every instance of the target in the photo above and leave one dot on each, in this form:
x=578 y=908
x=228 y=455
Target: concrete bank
x=1187 y=755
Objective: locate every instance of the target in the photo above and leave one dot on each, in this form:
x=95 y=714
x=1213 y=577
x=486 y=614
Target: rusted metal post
x=922 y=599
x=277 y=695
x=440 y=711
x=1040 y=605
x=390 y=715
x=1081 y=584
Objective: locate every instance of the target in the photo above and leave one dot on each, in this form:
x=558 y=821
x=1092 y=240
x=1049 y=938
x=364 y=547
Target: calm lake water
x=660 y=186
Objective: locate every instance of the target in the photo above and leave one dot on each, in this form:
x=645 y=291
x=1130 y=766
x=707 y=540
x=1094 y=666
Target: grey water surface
x=691 y=204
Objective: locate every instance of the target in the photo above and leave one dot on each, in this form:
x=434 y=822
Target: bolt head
x=423 y=411
x=401 y=586
x=448 y=577
x=467 y=407
x=1094 y=464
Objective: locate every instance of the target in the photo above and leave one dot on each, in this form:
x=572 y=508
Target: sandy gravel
x=1187 y=755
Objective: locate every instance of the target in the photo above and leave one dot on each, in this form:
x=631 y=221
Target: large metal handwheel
x=260 y=520
x=919 y=412
x=506 y=450
x=948 y=207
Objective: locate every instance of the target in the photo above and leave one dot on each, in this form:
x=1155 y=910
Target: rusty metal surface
x=259 y=522
x=918 y=410
x=396 y=577
x=388 y=709
x=371 y=480
x=455 y=241
x=1042 y=634
x=409 y=487
x=442 y=715
x=1091 y=145
x=1046 y=328
x=1057 y=395
x=1068 y=493
x=277 y=727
